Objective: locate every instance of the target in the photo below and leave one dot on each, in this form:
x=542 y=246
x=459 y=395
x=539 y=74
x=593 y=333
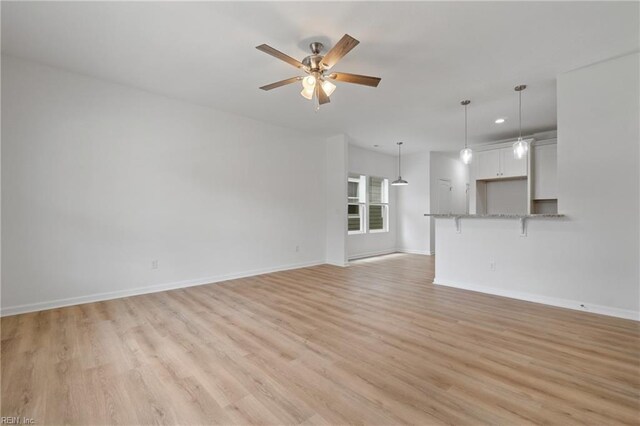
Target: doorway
x=444 y=196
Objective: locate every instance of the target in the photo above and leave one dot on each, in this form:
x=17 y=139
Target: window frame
x=384 y=204
x=360 y=201
x=363 y=203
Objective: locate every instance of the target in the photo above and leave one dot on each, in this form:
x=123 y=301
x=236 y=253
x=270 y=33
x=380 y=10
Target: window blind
x=376 y=190
x=376 y=217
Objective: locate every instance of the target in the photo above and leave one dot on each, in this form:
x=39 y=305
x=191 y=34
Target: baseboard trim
x=388 y=251
x=100 y=297
x=372 y=254
x=408 y=251
x=545 y=300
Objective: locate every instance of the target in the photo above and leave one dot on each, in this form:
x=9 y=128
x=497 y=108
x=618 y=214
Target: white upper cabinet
x=545 y=171
x=487 y=164
x=499 y=163
x=510 y=166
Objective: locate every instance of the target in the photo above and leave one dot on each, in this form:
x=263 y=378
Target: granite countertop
x=494 y=216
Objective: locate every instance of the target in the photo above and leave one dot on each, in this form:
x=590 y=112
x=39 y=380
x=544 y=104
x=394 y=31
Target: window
x=356 y=204
x=368 y=204
x=378 y=204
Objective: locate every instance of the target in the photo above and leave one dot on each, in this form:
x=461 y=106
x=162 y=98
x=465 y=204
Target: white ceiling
x=430 y=56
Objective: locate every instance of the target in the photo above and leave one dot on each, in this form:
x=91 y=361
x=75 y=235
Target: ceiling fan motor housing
x=316 y=47
x=314 y=61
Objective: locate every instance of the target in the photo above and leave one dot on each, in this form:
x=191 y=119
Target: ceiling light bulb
x=307 y=93
x=309 y=82
x=328 y=87
x=466 y=155
x=499 y=120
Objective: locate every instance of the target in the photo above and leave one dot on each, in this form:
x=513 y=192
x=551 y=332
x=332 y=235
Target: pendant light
x=465 y=154
x=520 y=147
x=399 y=181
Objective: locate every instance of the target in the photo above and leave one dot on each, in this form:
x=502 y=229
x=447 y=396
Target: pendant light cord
x=520 y=112
x=465 y=127
x=399 y=160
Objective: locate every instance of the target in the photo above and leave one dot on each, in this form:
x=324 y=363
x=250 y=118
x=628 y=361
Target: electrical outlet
x=154 y=264
x=492 y=266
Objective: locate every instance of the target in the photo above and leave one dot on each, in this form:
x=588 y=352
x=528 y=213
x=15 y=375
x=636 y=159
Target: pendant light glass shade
x=399 y=181
x=520 y=147
x=466 y=154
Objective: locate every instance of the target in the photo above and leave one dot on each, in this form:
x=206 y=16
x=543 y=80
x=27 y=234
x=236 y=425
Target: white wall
x=413 y=203
x=336 y=196
x=506 y=196
x=99 y=180
x=371 y=163
x=447 y=165
x=591 y=257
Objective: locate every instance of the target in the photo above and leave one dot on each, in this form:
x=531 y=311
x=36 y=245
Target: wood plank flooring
x=374 y=343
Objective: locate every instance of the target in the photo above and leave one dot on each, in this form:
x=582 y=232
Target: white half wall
x=413 y=203
x=100 y=180
x=370 y=163
x=590 y=260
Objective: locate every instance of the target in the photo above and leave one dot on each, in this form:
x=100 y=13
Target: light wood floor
x=374 y=343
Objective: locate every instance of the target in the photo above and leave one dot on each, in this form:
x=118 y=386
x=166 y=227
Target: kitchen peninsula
x=515 y=240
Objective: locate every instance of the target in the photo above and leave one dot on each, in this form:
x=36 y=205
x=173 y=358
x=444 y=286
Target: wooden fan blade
x=355 y=78
x=341 y=48
x=281 y=83
x=322 y=95
x=278 y=54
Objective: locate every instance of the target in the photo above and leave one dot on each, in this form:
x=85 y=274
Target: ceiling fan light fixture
x=309 y=82
x=307 y=93
x=316 y=66
x=328 y=87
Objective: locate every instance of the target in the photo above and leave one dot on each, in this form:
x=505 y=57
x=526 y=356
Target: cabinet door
x=510 y=166
x=487 y=164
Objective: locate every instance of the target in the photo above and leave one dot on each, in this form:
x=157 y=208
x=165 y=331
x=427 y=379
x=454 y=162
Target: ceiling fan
x=317 y=83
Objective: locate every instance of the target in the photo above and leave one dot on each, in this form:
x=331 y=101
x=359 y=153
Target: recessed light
x=375 y=146
x=500 y=120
